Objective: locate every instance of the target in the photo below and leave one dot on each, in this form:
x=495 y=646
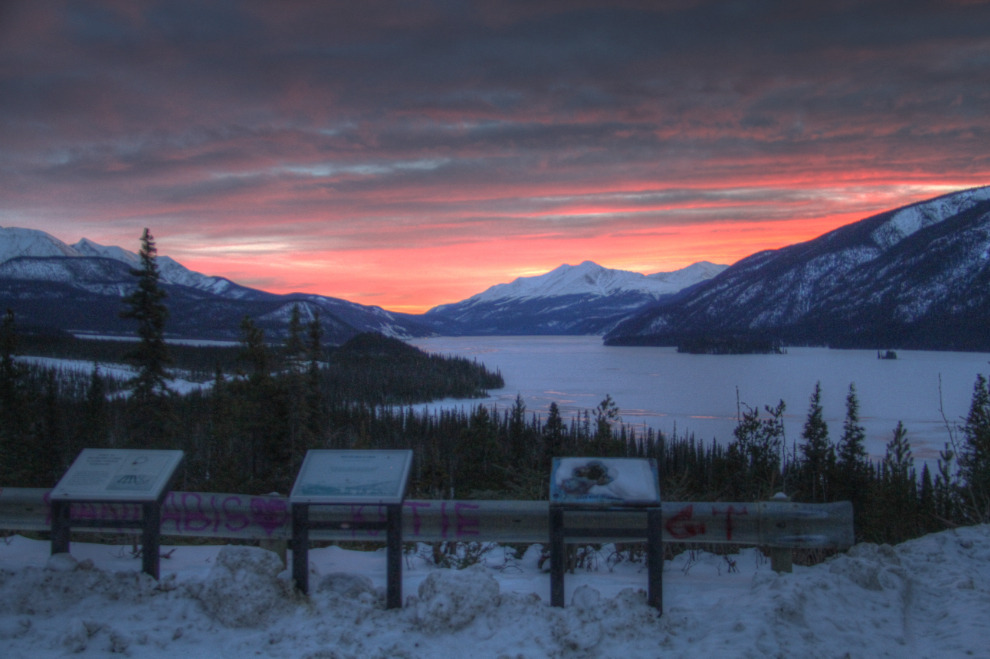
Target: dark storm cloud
x=190 y=103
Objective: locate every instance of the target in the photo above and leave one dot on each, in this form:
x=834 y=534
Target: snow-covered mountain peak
x=909 y=220
x=589 y=278
x=87 y=247
x=16 y=242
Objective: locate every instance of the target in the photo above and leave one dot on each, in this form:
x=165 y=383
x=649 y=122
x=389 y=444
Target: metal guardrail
x=246 y=517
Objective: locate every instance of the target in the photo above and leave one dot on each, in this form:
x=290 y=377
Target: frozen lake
x=660 y=388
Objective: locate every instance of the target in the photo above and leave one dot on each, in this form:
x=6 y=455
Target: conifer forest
x=269 y=404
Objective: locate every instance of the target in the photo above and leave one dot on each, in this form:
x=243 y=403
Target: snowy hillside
x=589 y=278
x=581 y=299
x=915 y=277
x=79 y=287
x=926 y=598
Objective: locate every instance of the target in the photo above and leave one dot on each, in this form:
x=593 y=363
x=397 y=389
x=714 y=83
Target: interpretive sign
x=604 y=481
x=328 y=476
x=117 y=475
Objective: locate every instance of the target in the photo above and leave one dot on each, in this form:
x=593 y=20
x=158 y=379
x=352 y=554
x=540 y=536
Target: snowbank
x=926 y=598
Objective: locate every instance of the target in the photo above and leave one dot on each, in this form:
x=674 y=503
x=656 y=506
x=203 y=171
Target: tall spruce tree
x=151 y=425
x=974 y=455
x=818 y=454
x=852 y=478
x=146 y=305
x=15 y=449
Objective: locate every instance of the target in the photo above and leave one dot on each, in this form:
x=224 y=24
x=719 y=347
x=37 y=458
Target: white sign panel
x=352 y=477
x=117 y=475
x=604 y=481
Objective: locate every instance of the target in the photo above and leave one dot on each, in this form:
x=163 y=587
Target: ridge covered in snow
x=915 y=277
x=589 y=278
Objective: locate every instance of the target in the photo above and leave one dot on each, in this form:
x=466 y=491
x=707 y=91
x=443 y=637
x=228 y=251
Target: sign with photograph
x=117 y=475
x=620 y=481
x=352 y=476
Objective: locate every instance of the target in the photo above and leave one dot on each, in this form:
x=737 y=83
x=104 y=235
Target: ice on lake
x=660 y=388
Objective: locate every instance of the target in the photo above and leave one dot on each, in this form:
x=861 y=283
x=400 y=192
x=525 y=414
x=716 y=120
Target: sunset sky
x=408 y=154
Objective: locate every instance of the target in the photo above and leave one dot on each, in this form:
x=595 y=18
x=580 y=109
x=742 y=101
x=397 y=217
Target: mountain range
x=78 y=288
x=914 y=277
x=580 y=299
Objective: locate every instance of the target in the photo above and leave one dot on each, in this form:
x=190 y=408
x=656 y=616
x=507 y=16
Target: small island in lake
x=731 y=345
x=886 y=354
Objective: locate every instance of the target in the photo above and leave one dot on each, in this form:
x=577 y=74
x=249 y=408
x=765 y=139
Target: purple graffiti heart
x=269 y=514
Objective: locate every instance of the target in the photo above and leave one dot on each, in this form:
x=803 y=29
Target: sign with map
x=117 y=475
x=604 y=481
x=353 y=476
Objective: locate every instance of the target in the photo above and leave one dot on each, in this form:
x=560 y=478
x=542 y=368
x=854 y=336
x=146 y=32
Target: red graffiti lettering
x=234 y=521
x=728 y=518
x=415 y=505
x=466 y=525
x=680 y=525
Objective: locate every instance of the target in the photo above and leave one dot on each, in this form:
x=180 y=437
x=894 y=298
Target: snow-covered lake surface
x=661 y=388
x=925 y=598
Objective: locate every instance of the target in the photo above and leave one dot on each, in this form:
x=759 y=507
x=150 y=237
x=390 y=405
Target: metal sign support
x=150 y=525
x=654 y=546
x=301 y=526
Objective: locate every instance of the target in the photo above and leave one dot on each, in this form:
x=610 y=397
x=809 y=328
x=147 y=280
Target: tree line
x=270 y=404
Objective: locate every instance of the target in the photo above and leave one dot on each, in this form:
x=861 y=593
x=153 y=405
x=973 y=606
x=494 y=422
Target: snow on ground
x=120 y=372
x=925 y=598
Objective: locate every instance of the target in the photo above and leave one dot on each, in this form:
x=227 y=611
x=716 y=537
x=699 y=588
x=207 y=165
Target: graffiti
x=729 y=527
x=681 y=526
x=247 y=517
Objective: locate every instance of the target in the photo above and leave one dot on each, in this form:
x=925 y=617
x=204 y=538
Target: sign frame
x=310 y=488
x=142 y=477
x=118 y=475
x=337 y=491
x=602 y=482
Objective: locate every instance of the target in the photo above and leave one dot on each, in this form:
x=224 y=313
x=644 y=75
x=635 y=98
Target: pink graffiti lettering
x=195 y=518
x=680 y=525
x=466 y=525
x=233 y=520
x=269 y=514
x=415 y=505
x=728 y=518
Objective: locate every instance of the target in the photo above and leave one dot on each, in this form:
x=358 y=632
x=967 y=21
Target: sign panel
x=352 y=477
x=117 y=475
x=604 y=481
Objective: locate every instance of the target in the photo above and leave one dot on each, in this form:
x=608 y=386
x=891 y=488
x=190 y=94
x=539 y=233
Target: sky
x=409 y=154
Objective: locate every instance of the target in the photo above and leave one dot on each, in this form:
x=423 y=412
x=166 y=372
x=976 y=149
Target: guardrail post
x=300 y=546
x=558 y=555
x=654 y=558
x=393 y=556
x=781 y=558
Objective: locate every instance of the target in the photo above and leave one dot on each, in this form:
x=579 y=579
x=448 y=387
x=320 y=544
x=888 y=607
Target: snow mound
x=243 y=589
x=347 y=585
x=65 y=582
x=449 y=600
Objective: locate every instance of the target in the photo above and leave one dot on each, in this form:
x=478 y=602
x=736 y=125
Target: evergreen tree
x=15 y=448
x=146 y=305
x=817 y=452
x=974 y=455
x=851 y=477
x=553 y=437
x=152 y=421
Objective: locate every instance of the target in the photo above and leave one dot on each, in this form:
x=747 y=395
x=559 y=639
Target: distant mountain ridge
x=78 y=288
x=913 y=277
x=582 y=299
